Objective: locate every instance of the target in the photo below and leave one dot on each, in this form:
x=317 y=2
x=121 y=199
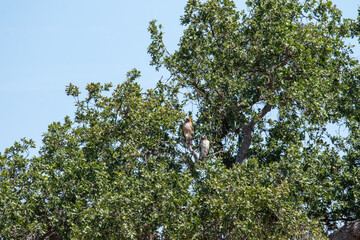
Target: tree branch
x=248 y=129
x=192 y=152
x=213 y=154
x=247 y=132
x=216 y=153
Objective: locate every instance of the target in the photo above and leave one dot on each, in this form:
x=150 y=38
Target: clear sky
x=46 y=44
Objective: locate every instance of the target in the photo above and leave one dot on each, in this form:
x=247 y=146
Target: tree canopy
x=268 y=85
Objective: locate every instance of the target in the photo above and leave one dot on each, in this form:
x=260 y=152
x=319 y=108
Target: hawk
x=204 y=147
x=188 y=131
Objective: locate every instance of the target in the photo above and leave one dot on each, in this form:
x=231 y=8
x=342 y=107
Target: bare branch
x=216 y=153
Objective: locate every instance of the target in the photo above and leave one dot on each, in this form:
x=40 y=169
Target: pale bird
x=188 y=131
x=204 y=147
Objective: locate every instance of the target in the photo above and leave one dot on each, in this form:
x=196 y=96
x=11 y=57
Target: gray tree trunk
x=351 y=231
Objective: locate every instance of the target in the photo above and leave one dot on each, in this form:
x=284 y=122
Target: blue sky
x=46 y=44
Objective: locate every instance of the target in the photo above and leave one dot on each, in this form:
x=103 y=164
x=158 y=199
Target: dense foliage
x=268 y=85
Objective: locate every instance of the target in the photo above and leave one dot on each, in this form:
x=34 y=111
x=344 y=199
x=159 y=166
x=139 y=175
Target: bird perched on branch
x=188 y=131
x=204 y=147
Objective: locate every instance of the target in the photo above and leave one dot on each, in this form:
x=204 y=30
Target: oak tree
x=267 y=84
